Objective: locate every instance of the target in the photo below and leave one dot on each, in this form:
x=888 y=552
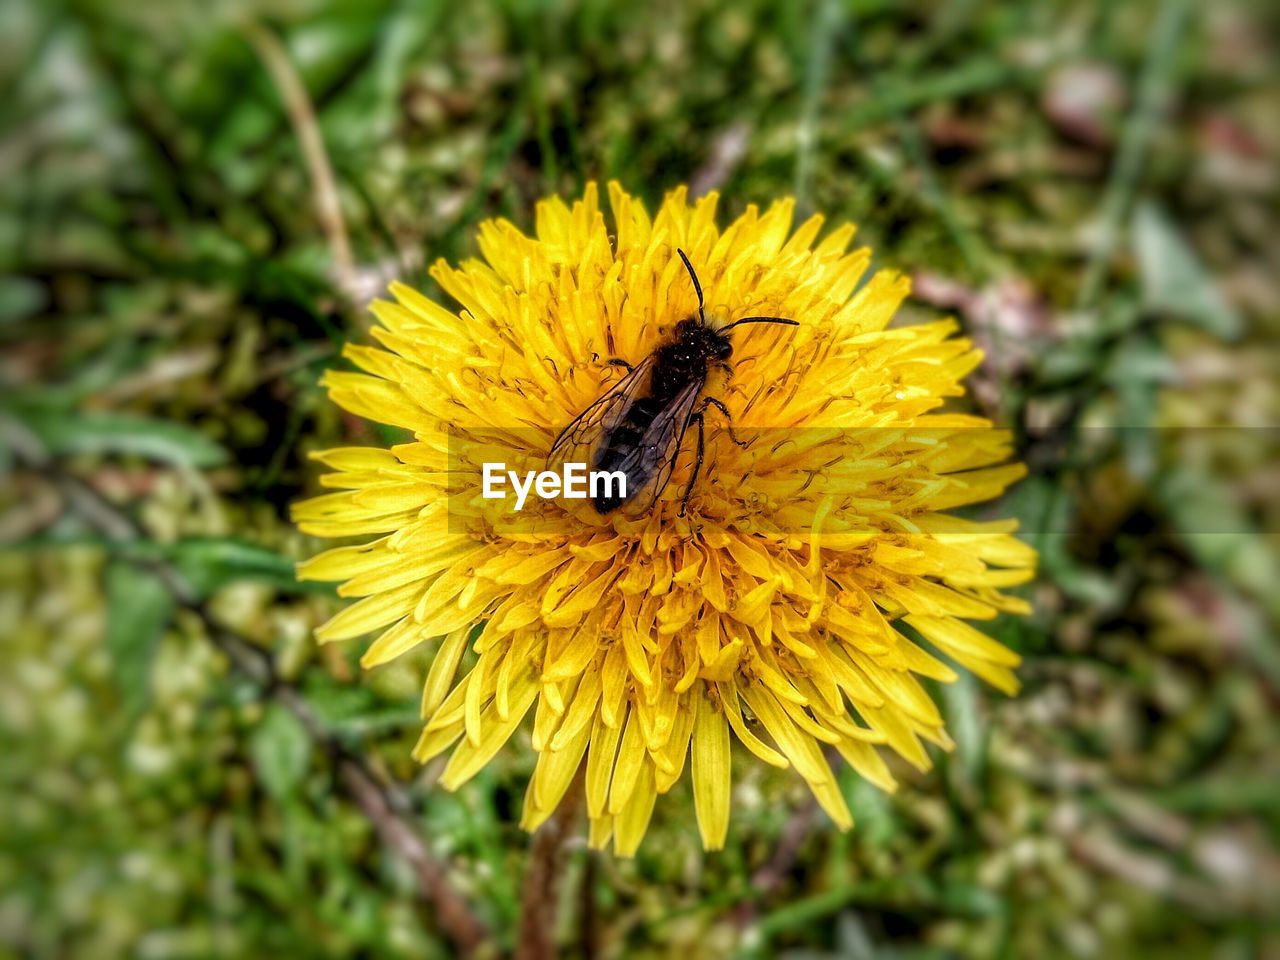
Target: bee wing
x=602 y=415
x=656 y=454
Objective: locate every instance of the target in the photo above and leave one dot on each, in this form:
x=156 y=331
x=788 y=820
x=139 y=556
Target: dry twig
x=540 y=894
x=382 y=803
x=302 y=117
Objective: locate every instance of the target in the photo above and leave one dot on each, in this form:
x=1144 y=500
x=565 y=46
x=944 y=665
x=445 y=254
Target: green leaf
x=73 y=432
x=1221 y=535
x=349 y=709
x=872 y=810
x=970 y=900
x=967 y=728
x=210 y=563
x=334 y=702
x=20 y=298
x=281 y=751
x=1047 y=514
x=139 y=608
x=1174 y=280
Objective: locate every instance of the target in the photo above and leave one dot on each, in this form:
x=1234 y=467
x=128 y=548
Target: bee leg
x=719 y=405
x=697 y=462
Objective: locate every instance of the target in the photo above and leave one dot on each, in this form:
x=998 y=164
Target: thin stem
x=590 y=918
x=302 y=117
x=1154 y=90
x=383 y=803
x=766 y=880
x=826 y=25
x=540 y=894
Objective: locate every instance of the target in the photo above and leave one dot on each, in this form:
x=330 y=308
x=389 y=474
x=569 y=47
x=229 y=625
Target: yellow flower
x=775 y=609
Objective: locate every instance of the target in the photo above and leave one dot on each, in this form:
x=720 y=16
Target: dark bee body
x=637 y=426
x=680 y=370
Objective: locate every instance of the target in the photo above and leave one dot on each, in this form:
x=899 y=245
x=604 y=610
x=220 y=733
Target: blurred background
x=196 y=202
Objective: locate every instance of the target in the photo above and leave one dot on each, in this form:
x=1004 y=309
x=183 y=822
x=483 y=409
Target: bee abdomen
x=616 y=449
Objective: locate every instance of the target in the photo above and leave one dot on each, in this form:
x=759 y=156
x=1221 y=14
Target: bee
x=637 y=427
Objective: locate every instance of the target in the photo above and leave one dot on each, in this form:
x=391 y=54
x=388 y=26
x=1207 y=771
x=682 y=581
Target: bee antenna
x=702 y=313
x=789 y=323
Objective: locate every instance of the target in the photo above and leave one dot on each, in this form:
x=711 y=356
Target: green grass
x=168 y=300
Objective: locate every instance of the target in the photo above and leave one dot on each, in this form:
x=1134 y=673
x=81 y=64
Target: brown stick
x=381 y=802
x=540 y=894
x=302 y=117
x=452 y=914
x=590 y=915
x=771 y=875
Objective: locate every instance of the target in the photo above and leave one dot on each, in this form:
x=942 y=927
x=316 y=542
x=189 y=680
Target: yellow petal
x=711 y=772
x=600 y=764
x=468 y=758
x=631 y=822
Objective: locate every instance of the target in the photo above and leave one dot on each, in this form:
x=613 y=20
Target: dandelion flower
x=789 y=607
